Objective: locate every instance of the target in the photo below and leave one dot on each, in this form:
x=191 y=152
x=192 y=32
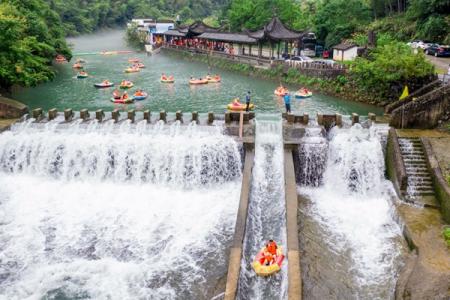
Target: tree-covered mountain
x=81 y=16
x=31 y=34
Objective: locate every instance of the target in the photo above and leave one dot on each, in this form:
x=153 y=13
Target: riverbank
x=339 y=87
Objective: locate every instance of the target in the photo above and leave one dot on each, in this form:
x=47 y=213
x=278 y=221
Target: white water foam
x=353 y=206
x=115 y=237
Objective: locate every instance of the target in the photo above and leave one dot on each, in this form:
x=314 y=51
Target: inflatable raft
x=82 y=75
x=281 y=91
x=214 y=80
x=140 y=65
x=132 y=70
x=141 y=97
x=103 y=85
x=133 y=60
x=60 y=59
x=263 y=270
x=198 y=81
x=77 y=66
x=237 y=106
x=303 y=95
x=126 y=86
x=121 y=101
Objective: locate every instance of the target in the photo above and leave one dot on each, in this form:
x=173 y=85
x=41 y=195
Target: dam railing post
x=52 y=114
x=194 y=117
x=290 y=118
x=115 y=114
x=305 y=118
x=84 y=114
x=241 y=123
x=163 y=116
x=37 y=114
x=68 y=114
x=355 y=118
x=211 y=117
x=227 y=117
x=339 y=120
x=132 y=115
x=179 y=116
x=320 y=119
x=99 y=115
x=147 y=115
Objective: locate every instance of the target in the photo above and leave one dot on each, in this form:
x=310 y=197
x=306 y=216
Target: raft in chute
x=266 y=270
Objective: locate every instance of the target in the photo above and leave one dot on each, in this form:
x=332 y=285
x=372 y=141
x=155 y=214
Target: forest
x=34 y=31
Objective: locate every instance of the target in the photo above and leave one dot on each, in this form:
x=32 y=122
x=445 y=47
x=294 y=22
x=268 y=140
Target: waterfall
x=102 y=211
x=351 y=242
x=266 y=213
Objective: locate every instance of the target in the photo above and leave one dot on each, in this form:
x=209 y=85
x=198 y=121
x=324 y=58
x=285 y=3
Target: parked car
x=328 y=62
x=299 y=59
x=415 y=44
x=438 y=50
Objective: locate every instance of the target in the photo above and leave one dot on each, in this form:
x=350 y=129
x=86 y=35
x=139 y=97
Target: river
x=66 y=91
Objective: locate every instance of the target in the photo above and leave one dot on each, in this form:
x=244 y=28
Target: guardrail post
x=131 y=115
x=68 y=114
x=372 y=117
x=37 y=114
x=355 y=118
x=211 y=117
x=52 y=113
x=115 y=114
x=147 y=115
x=163 y=116
x=84 y=114
x=99 y=115
x=227 y=117
x=290 y=118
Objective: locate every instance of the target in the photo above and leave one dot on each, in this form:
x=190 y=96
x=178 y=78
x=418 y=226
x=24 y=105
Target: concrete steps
x=420 y=184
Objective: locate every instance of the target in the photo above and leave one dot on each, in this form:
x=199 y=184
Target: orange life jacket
x=272 y=248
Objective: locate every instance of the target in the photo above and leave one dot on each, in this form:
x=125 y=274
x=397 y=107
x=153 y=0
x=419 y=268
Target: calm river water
x=66 y=91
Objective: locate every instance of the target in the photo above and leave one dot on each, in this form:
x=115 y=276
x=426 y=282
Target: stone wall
x=424 y=112
x=10 y=109
x=395 y=168
x=441 y=187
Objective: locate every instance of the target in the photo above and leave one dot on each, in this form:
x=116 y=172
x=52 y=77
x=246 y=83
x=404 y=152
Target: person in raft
x=163 y=76
x=269 y=253
x=105 y=82
x=139 y=92
x=247 y=101
x=287 y=102
x=125 y=96
x=116 y=94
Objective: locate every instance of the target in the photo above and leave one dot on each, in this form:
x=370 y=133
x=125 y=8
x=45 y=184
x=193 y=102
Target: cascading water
x=116 y=212
x=266 y=217
x=350 y=243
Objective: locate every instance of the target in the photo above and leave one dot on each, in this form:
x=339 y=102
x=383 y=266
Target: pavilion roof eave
x=228 y=37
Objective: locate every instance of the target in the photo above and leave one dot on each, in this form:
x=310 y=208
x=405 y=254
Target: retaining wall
x=441 y=187
x=395 y=167
x=12 y=109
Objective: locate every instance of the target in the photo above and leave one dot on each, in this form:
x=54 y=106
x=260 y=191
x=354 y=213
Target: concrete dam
x=157 y=205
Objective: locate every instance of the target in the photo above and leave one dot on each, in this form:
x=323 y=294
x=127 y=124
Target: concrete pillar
x=99 y=115
x=163 y=116
x=227 y=117
x=290 y=118
x=115 y=114
x=320 y=119
x=84 y=114
x=37 y=114
x=52 y=113
x=339 y=120
x=68 y=114
x=355 y=118
x=195 y=116
x=147 y=115
x=305 y=118
x=372 y=117
x=211 y=117
x=132 y=115
x=179 y=116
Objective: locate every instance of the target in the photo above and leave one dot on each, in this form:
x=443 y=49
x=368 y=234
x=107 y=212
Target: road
x=442 y=64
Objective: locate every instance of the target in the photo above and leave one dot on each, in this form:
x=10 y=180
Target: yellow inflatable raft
x=263 y=270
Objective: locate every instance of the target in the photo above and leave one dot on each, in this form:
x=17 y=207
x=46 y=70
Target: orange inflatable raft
x=267 y=270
